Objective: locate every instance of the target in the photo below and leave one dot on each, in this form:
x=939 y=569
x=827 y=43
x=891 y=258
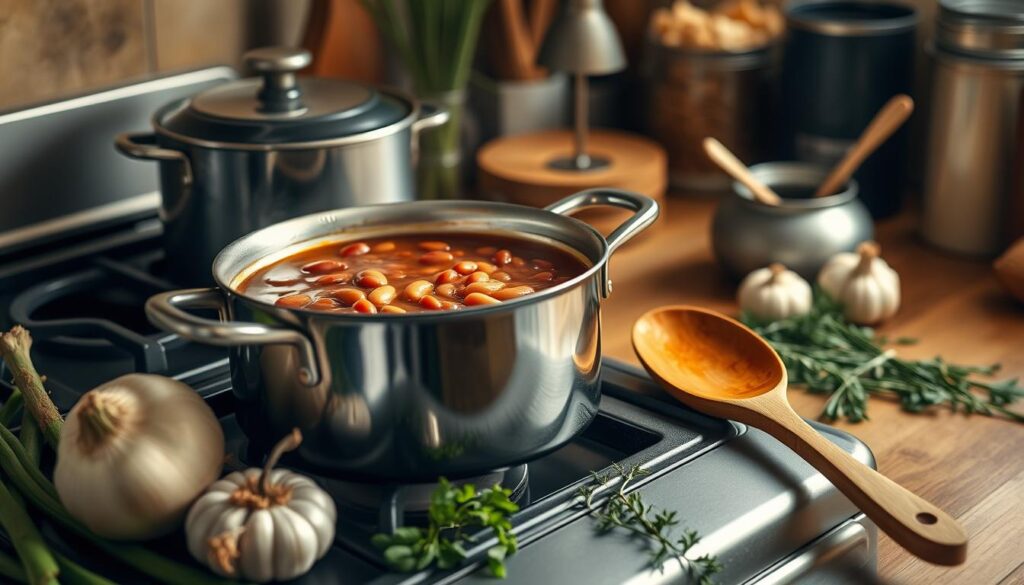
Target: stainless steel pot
x=408 y=397
x=254 y=152
x=801 y=232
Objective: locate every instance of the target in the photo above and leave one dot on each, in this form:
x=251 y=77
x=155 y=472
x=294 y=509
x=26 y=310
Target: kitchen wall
x=53 y=48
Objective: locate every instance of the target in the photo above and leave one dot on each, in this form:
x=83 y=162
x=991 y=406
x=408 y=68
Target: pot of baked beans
x=413 y=340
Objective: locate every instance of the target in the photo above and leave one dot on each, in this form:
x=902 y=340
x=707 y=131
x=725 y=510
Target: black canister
x=842 y=61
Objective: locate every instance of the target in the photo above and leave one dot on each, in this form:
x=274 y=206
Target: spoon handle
x=727 y=161
x=914 y=523
x=892 y=115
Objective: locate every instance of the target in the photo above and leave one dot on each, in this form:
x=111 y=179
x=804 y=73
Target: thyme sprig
x=827 y=355
x=627 y=510
x=453 y=510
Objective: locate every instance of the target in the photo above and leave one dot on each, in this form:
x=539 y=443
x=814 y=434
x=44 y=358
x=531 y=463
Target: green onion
x=40 y=566
x=11 y=568
x=10 y=412
x=71 y=573
x=31 y=438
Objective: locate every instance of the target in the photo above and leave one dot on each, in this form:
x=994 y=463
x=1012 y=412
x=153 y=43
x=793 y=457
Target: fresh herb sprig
x=627 y=510
x=827 y=355
x=454 y=510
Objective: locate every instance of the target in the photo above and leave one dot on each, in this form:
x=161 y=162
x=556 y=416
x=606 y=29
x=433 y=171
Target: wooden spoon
x=892 y=115
x=728 y=162
x=716 y=365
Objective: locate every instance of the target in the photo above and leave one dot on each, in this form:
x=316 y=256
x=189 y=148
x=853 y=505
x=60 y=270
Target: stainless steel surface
x=845 y=556
x=800 y=233
x=976 y=107
x=746 y=505
x=982 y=28
x=94 y=186
x=583 y=39
x=420 y=395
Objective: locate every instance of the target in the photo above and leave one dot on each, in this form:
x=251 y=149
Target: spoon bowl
x=718 y=366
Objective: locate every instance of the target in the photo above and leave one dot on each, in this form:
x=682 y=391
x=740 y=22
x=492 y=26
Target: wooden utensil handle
x=913 y=522
x=892 y=115
x=728 y=162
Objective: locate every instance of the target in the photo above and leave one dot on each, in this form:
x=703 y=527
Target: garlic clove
x=319 y=519
x=257 y=547
x=294 y=548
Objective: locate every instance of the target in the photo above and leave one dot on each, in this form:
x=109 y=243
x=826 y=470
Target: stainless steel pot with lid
x=414 y=396
x=253 y=152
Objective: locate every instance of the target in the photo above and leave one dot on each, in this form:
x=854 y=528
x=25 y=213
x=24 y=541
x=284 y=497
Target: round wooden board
x=515 y=169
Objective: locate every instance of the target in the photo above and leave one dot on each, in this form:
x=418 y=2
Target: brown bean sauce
x=413 y=273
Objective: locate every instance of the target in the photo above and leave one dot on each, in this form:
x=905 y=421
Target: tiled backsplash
x=54 y=48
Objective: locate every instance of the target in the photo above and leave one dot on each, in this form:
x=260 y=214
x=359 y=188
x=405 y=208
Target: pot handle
x=167 y=311
x=142 y=146
x=431 y=115
x=646 y=212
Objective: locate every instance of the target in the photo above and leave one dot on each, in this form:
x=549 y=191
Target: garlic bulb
x=774 y=293
x=262 y=525
x=134 y=453
x=863 y=283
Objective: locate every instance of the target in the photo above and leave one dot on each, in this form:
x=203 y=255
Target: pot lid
x=281 y=108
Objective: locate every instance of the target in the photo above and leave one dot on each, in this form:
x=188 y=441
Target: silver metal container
x=803 y=232
x=415 y=396
x=251 y=153
x=977 y=86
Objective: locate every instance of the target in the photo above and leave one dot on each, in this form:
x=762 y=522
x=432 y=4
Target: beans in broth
x=408 y=274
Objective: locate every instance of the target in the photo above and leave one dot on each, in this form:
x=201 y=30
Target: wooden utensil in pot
x=887 y=121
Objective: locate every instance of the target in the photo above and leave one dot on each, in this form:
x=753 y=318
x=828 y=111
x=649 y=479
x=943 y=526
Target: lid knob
x=278 y=65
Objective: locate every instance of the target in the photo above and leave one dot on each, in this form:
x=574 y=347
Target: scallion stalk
x=40 y=566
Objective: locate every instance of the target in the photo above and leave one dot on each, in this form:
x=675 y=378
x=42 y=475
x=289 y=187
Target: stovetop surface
x=754 y=502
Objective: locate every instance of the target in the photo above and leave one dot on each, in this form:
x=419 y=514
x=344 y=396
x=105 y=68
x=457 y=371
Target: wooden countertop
x=972 y=467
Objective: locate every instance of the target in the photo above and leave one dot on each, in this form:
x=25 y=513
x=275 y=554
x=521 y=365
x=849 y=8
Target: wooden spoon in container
x=718 y=366
x=892 y=115
x=728 y=162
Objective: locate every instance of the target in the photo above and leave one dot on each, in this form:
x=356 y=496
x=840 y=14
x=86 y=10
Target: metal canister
x=977 y=98
x=843 y=61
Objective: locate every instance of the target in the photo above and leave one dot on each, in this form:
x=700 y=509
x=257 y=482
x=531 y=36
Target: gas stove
x=766 y=515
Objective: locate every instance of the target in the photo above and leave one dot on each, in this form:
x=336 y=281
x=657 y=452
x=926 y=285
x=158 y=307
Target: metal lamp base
x=579 y=163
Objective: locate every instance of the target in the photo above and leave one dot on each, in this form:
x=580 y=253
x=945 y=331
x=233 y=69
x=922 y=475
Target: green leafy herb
x=454 y=511
x=828 y=355
x=627 y=510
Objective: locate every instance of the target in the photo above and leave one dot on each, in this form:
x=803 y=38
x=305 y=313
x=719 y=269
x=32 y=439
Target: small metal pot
x=415 y=396
x=802 y=232
x=250 y=153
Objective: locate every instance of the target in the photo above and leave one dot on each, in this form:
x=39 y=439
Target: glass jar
x=693 y=94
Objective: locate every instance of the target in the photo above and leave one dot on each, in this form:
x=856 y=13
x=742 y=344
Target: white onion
x=133 y=455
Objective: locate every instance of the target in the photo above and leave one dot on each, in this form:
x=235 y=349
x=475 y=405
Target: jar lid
x=982 y=28
x=279 y=109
